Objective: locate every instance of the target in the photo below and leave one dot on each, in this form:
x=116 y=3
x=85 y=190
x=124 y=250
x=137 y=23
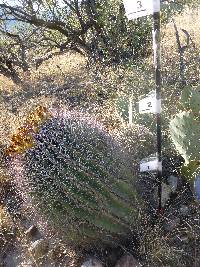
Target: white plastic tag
x=150 y=164
x=150 y=104
x=135 y=9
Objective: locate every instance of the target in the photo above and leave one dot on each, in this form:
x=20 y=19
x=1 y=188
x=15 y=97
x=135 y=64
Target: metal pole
x=157 y=64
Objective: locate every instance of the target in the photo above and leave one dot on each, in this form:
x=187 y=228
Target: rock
x=39 y=248
x=92 y=263
x=127 y=261
x=12 y=258
x=197 y=187
x=171 y=223
x=166 y=192
x=184 y=238
x=173 y=183
x=184 y=210
x=31 y=232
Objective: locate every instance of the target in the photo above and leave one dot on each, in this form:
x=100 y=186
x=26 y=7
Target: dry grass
x=6 y=222
x=66 y=80
x=40 y=87
x=7 y=231
x=189 y=21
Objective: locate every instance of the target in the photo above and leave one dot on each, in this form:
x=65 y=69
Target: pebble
x=173 y=182
x=184 y=210
x=166 y=192
x=128 y=261
x=31 y=232
x=197 y=187
x=171 y=223
x=92 y=263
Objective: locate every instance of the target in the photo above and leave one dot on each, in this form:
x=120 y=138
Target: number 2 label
x=149 y=105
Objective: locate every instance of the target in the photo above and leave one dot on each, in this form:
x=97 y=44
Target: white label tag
x=135 y=9
x=150 y=104
x=150 y=165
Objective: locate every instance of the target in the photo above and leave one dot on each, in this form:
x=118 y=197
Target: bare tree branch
x=181 y=50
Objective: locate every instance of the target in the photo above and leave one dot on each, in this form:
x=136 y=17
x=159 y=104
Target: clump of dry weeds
x=189 y=21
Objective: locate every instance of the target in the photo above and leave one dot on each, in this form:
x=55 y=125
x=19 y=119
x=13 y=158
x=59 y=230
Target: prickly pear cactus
x=77 y=175
x=185 y=133
x=190 y=99
x=185 y=130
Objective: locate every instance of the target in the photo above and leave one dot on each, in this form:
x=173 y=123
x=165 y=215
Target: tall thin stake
x=157 y=64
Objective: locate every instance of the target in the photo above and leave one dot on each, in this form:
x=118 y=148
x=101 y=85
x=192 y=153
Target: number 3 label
x=139 y=4
x=139 y=8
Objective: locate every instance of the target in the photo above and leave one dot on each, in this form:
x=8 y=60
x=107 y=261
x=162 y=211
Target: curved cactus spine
x=80 y=177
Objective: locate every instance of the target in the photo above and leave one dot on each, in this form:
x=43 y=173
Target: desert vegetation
x=71 y=137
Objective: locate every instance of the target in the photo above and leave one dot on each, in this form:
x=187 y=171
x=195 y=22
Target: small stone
x=92 y=263
x=39 y=248
x=32 y=231
x=171 y=223
x=173 y=183
x=184 y=238
x=184 y=210
x=197 y=187
x=166 y=192
x=127 y=261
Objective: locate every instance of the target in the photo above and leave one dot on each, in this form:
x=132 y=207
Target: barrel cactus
x=76 y=174
x=185 y=131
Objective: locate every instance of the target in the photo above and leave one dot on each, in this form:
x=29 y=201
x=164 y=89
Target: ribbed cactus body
x=81 y=178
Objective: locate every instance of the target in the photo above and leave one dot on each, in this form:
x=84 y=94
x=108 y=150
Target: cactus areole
x=77 y=175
